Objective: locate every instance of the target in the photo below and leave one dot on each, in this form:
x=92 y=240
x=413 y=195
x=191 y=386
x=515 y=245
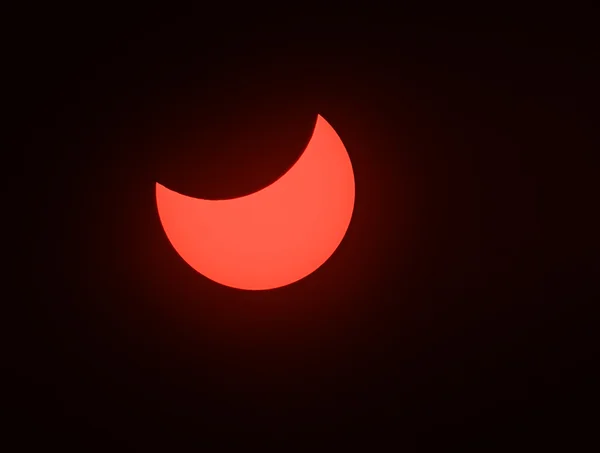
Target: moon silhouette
x=275 y=236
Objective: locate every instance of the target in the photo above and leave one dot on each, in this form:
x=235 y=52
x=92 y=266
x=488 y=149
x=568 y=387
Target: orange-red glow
x=275 y=236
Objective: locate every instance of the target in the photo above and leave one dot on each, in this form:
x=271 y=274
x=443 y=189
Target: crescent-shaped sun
x=272 y=237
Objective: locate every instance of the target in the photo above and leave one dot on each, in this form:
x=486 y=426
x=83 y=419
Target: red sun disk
x=275 y=236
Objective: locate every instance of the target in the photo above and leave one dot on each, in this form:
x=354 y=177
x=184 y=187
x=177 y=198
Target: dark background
x=459 y=302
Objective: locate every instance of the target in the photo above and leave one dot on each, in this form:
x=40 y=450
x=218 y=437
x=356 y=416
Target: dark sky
x=458 y=304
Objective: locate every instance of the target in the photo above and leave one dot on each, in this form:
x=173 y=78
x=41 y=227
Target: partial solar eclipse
x=272 y=237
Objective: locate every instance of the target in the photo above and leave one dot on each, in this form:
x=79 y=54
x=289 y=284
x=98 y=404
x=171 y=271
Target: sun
x=275 y=236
